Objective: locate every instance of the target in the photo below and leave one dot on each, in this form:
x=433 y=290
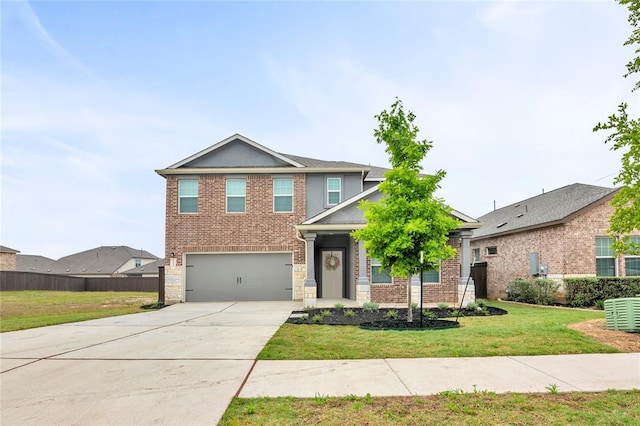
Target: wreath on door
x=331 y=262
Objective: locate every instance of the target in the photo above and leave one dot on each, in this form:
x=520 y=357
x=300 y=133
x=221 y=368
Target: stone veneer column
x=310 y=284
x=416 y=294
x=363 y=287
x=465 y=270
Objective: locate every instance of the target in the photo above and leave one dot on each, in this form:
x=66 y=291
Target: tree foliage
x=408 y=218
x=625 y=136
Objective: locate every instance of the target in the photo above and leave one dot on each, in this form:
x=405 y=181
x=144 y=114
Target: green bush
x=370 y=307
x=537 y=291
x=590 y=291
x=391 y=314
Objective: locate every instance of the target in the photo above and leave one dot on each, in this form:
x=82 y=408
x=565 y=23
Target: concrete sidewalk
x=427 y=376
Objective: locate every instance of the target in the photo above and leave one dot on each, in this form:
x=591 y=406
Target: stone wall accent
x=213 y=230
x=7 y=261
x=568 y=249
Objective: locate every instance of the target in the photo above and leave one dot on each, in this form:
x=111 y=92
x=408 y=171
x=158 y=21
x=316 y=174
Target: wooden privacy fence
x=19 y=281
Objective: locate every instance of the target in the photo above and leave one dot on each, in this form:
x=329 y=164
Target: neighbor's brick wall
x=568 y=250
x=213 y=230
x=7 y=261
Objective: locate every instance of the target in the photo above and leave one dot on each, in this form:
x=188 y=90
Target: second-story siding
x=316 y=191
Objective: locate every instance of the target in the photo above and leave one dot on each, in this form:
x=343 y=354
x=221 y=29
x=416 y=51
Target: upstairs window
x=138 y=263
x=334 y=191
x=379 y=275
x=605 y=257
x=188 y=196
x=492 y=251
x=283 y=195
x=236 y=195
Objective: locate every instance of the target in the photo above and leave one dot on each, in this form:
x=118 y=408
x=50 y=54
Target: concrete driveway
x=177 y=366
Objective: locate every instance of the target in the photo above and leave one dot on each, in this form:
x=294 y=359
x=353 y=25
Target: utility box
x=534 y=264
x=623 y=314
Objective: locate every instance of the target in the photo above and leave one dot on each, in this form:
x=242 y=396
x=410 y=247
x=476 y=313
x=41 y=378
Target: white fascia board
x=463 y=216
x=230 y=139
x=255 y=170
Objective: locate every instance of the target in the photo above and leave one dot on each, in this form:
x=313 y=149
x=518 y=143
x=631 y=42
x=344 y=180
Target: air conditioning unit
x=623 y=314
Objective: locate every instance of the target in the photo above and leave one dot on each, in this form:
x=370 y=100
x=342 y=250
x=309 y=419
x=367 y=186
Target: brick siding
x=567 y=249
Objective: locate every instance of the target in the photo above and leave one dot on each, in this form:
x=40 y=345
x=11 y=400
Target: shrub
x=325 y=313
x=426 y=314
x=443 y=305
x=317 y=318
x=391 y=314
x=472 y=306
x=588 y=291
x=414 y=306
x=370 y=307
x=537 y=291
x=482 y=303
x=339 y=305
x=349 y=313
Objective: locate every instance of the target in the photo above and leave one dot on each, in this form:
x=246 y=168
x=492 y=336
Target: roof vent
x=501 y=225
x=520 y=215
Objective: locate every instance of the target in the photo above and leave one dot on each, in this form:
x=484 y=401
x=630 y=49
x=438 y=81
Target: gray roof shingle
x=33 y=263
x=5 y=249
x=542 y=210
x=99 y=260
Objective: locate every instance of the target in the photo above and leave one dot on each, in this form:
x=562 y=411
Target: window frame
x=431 y=271
x=476 y=254
x=333 y=191
x=189 y=196
x=228 y=196
x=275 y=196
x=634 y=239
x=610 y=256
x=375 y=263
x=488 y=251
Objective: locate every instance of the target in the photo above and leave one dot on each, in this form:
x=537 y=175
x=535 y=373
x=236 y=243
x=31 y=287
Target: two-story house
x=246 y=223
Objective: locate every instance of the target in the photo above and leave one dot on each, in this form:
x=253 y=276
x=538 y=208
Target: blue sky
x=97 y=95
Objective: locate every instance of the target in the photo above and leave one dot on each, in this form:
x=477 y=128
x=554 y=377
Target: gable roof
x=551 y=208
x=220 y=158
x=344 y=213
x=99 y=260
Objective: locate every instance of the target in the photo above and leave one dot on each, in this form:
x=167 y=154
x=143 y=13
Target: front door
x=332 y=267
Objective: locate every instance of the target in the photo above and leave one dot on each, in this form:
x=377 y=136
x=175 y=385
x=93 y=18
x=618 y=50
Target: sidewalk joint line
x=398 y=376
x=512 y=357
x=244 y=381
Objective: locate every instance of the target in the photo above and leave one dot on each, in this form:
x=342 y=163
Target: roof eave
x=257 y=170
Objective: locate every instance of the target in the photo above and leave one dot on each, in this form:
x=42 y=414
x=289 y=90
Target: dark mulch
x=404 y=325
x=383 y=318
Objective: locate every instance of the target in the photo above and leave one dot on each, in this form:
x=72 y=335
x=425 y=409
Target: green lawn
x=525 y=330
x=20 y=310
x=448 y=408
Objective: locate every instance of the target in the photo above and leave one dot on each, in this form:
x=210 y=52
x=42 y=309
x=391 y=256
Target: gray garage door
x=225 y=277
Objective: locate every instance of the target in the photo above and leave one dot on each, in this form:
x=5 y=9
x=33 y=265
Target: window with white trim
x=283 y=195
x=188 y=196
x=605 y=257
x=379 y=275
x=236 y=195
x=492 y=251
x=334 y=191
x=632 y=261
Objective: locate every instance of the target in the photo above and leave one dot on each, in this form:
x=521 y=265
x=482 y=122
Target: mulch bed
x=382 y=318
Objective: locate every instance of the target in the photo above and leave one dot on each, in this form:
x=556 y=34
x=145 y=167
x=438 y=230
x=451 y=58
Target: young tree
x=625 y=135
x=408 y=219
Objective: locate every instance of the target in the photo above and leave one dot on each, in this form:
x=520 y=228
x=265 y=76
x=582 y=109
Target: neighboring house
x=34 y=263
x=8 y=258
x=564 y=231
x=146 y=270
x=105 y=261
x=246 y=223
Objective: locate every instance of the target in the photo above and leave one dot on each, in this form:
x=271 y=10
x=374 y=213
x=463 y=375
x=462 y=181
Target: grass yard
x=525 y=330
x=20 y=310
x=448 y=408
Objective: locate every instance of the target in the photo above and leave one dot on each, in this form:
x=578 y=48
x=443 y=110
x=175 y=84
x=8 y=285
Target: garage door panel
x=228 y=277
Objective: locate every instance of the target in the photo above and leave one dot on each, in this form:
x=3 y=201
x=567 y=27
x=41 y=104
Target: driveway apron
x=180 y=365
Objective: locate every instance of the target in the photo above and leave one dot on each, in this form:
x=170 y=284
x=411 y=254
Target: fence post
x=161 y=285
